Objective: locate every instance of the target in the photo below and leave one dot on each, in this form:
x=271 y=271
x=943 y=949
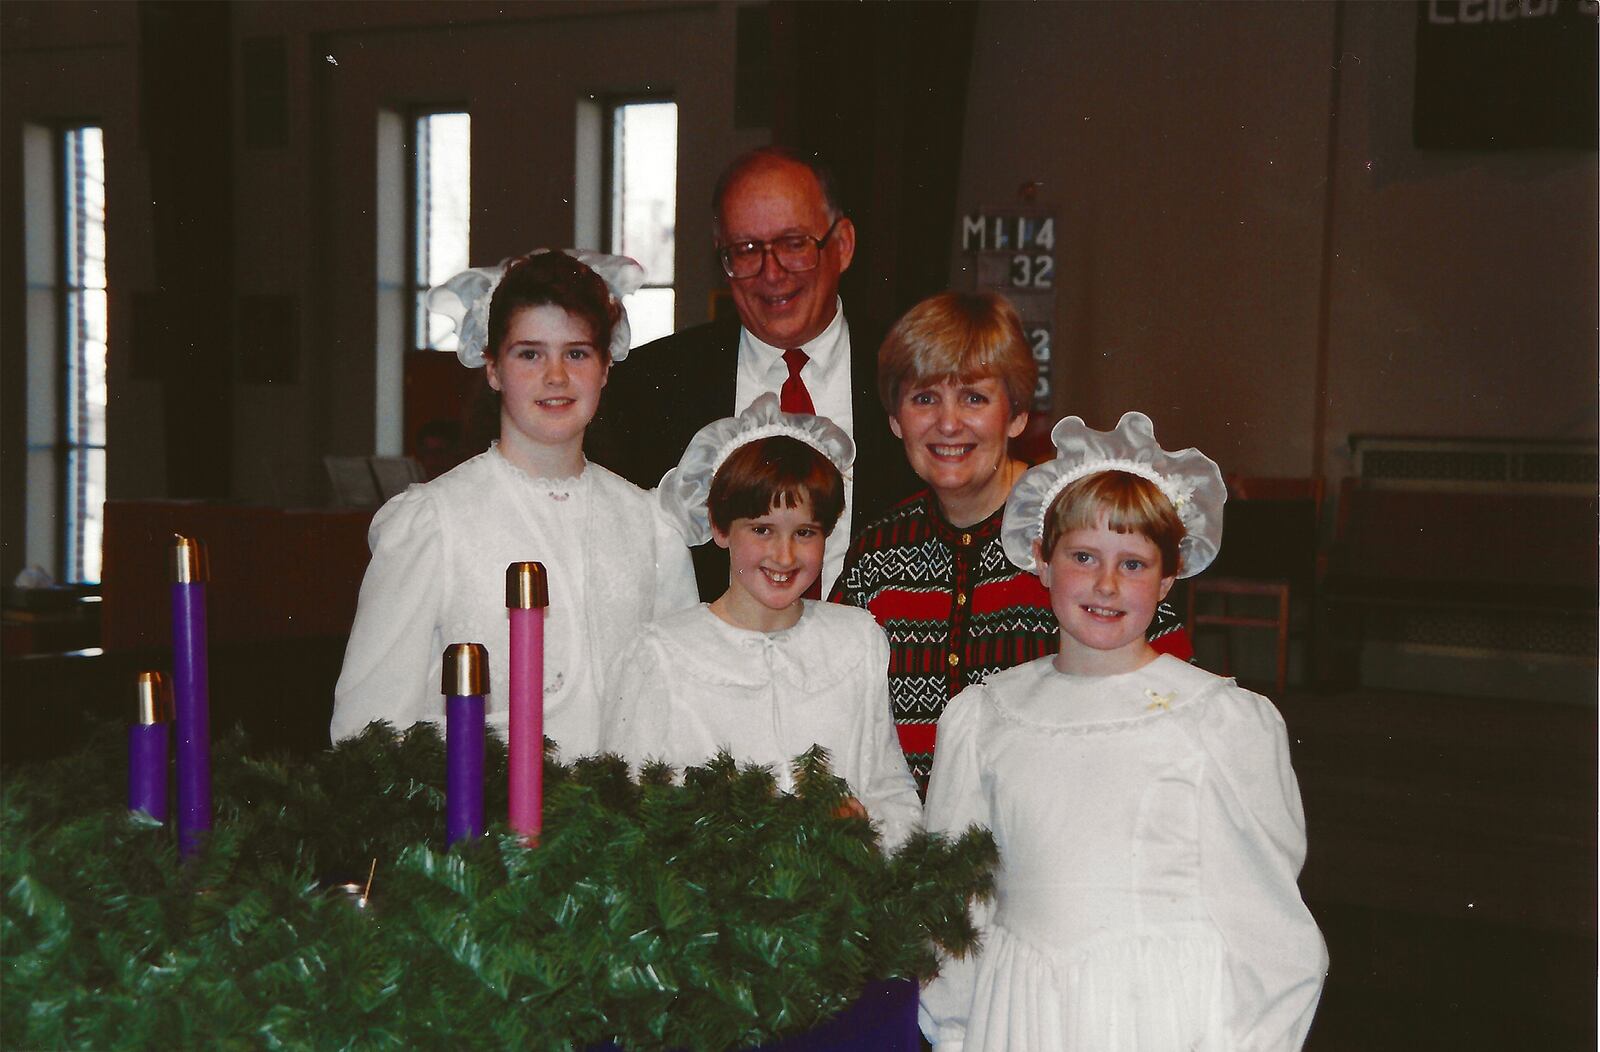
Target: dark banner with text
x=1506 y=74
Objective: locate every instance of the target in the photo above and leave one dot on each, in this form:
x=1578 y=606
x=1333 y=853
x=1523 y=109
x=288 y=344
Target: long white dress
x=1151 y=836
x=693 y=684
x=437 y=576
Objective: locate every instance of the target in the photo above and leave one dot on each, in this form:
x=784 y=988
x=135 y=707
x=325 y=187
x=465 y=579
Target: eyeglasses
x=794 y=253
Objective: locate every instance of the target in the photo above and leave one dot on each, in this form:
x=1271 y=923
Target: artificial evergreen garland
x=710 y=915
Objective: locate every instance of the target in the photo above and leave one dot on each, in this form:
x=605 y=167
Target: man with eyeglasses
x=783 y=242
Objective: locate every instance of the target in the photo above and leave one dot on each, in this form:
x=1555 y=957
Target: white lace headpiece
x=465 y=299
x=685 y=489
x=1188 y=478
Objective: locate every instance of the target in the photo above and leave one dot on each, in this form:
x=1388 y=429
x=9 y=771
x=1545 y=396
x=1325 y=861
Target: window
x=441 y=209
x=65 y=234
x=83 y=434
x=643 y=205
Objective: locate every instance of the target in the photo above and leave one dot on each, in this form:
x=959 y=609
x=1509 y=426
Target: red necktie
x=794 y=398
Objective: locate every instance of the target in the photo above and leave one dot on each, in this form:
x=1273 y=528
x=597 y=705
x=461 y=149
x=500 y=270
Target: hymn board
x=1013 y=252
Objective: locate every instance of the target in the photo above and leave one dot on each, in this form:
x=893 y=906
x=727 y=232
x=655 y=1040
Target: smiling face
x=773 y=559
x=768 y=200
x=955 y=436
x=549 y=374
x=1104 y=588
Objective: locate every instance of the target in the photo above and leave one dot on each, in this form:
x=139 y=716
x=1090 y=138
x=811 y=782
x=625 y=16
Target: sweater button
x=966 y=538
x=954 y=659
x=961 y=598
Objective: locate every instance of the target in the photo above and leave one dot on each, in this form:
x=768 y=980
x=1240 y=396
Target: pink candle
x=527 y=594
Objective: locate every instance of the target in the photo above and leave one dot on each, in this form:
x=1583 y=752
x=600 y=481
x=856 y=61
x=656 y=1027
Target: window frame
x=68 y=545
x=416 y=340
x=610 y=237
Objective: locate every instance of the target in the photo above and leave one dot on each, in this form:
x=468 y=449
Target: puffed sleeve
x=637 y=707
x=396 y=632
x=956 y=800
x=675 y=583
x=1252 y=845
x=888 y=791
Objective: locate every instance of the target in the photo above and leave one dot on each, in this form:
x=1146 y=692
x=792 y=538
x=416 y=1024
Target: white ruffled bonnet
x=685 y=489
x=1188 y=478
x=465 y=299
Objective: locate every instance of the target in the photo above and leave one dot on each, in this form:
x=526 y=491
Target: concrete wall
x=1219 y=169
x=305 y=224
x=308 y=213
x=1463 y=296
x=1249 y=249
x=66 y=65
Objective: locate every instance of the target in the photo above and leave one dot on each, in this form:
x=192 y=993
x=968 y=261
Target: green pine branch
x=706 y=914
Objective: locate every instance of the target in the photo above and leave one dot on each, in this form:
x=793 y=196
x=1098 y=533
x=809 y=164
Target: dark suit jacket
x=666 y=391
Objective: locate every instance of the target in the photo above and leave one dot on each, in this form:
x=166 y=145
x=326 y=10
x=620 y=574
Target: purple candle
x=527 y=594
x=147 y=747
x=190 y=691
x=465 y=682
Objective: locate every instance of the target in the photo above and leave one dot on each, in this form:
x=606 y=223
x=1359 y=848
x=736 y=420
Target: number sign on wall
x=1013 y=251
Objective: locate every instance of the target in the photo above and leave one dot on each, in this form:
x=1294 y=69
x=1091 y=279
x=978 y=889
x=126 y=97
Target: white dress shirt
x=827 y=376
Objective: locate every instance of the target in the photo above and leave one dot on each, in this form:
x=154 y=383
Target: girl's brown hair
x=770 y=472
x=544 y=278
x=556 y=279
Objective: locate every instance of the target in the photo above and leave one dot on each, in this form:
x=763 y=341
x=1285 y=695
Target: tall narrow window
x=644 y=207
x=441 y=217
x=83 y=416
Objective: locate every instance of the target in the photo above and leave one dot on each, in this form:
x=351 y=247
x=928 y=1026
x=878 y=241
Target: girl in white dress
x=764 y=672
x=1149 y=823
x=546 y=327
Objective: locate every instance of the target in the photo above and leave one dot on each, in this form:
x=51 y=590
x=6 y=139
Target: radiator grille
x=1472 y=464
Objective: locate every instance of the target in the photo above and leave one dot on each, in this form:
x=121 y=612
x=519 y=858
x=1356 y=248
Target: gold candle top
x=466 y=670
x=527 y=586
x=189 y=562
x=155 y=698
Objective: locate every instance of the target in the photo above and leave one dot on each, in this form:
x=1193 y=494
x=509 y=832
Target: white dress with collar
x=437 y=576
x=693 y=684
x=1150 y=837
